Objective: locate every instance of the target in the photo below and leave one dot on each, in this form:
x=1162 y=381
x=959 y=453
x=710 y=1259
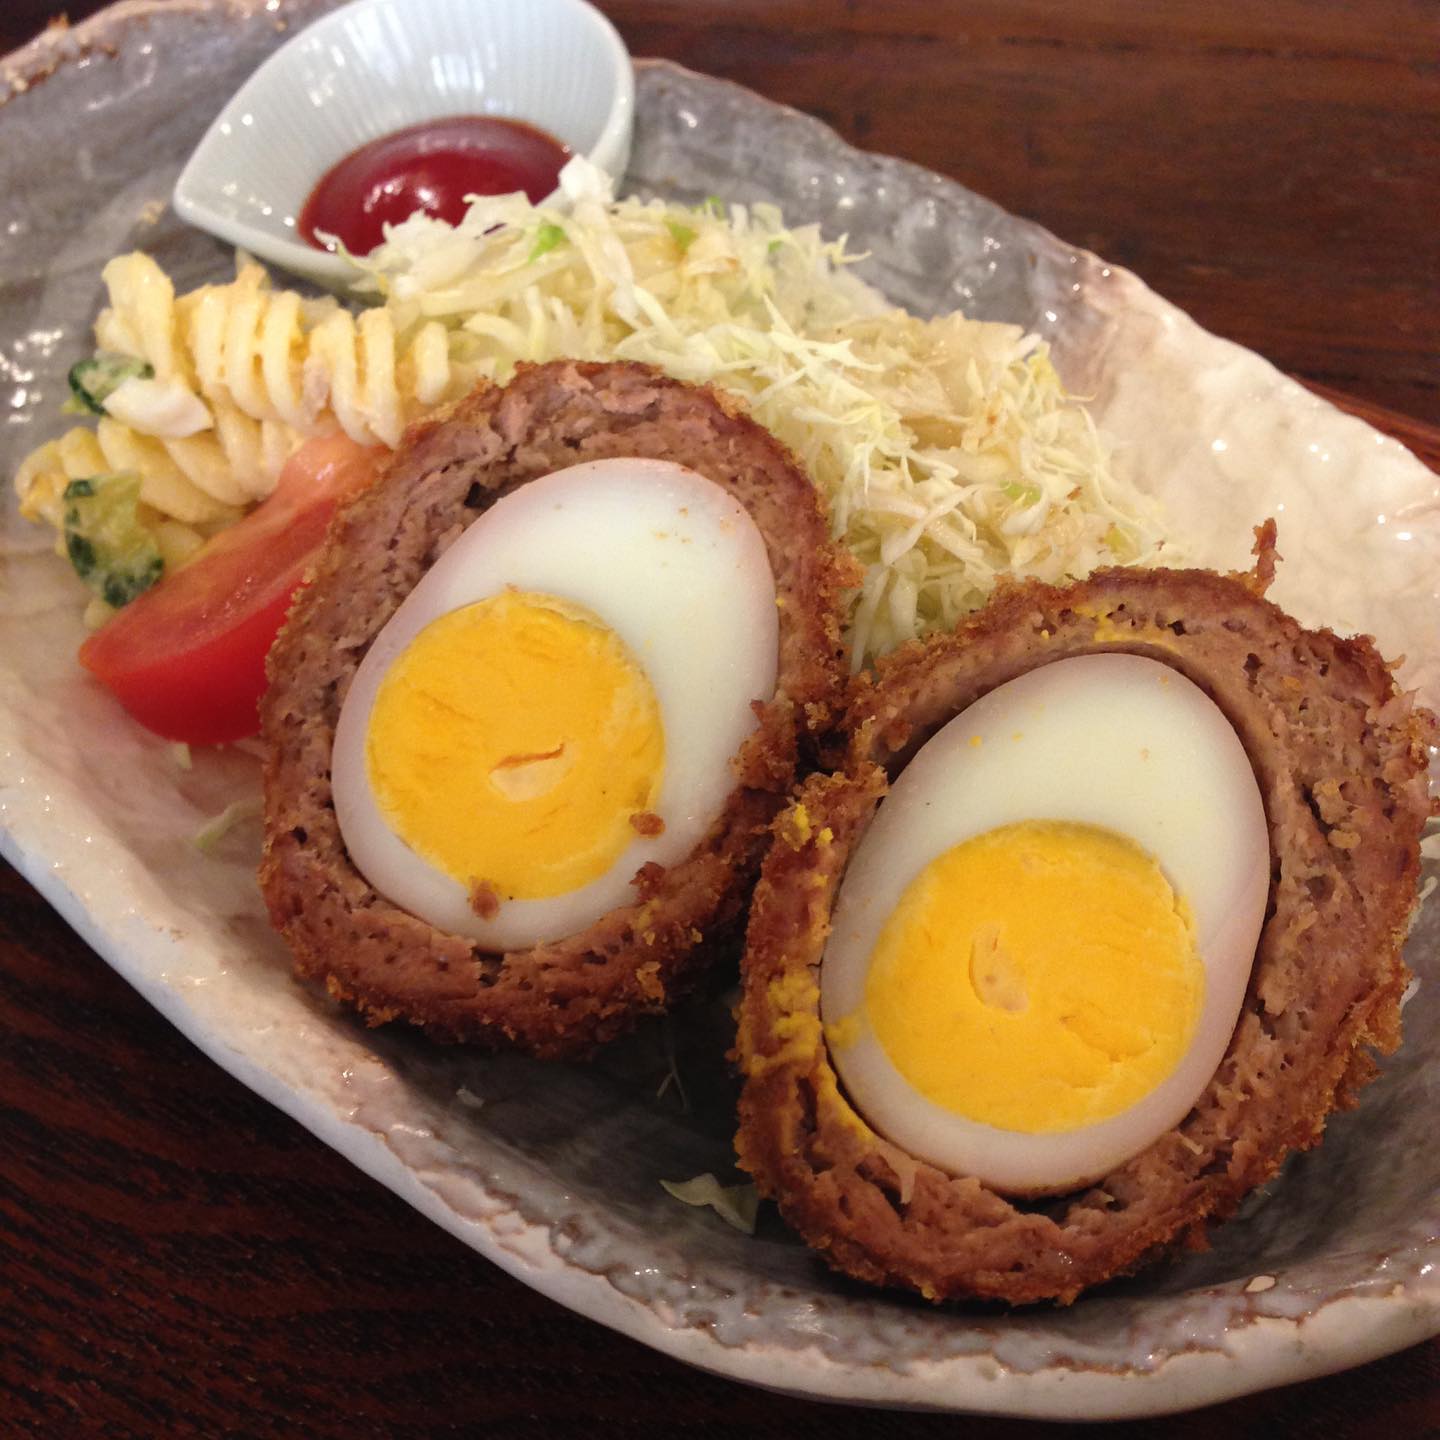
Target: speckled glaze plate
x=553 y=1172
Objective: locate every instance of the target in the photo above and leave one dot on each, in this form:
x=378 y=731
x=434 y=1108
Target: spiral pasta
x=275 y=356
x=260 y=370
x=81 y=453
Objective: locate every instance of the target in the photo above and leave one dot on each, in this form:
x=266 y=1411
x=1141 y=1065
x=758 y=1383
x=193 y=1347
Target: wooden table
x=176 y=1258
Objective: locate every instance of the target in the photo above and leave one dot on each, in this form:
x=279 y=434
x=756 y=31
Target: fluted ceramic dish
x=376 y=66
x=554 y=1172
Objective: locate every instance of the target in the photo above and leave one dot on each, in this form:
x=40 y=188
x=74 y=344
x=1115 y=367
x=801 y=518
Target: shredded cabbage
x=947 y=450
x=210 y=834
x=737 y=1205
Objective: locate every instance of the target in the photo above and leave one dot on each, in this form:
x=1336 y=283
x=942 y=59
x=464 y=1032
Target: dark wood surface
x=176 y=1258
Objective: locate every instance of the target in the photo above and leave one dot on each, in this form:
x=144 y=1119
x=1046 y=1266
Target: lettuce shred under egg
x=947 y=449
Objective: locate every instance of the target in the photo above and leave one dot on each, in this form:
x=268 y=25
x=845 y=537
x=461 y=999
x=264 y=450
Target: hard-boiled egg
x=557 y=702
x=1042 y=942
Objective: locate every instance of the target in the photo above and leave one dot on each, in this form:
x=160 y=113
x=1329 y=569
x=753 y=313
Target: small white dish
x=377 y=66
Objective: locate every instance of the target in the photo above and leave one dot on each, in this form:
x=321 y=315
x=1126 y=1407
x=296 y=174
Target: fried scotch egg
x=1011 y=1029
x=530 y=721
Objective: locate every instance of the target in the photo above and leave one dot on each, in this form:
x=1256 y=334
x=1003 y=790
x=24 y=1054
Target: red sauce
x=430 y=167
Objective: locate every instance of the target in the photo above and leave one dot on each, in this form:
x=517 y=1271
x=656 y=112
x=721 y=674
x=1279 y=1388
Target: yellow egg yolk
x=515 y=743
x=1039 y=977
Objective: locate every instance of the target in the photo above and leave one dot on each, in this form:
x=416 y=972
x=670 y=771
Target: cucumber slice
x=93 y=380
x=112 y=552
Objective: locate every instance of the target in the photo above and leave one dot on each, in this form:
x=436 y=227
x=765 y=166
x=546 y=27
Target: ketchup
x=430 y=167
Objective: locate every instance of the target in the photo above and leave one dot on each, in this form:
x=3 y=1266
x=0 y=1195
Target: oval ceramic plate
x=554 y=1172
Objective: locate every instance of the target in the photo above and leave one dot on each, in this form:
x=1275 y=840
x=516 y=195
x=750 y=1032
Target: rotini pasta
x=273 y=356
x=268 y=369
x=80 y=454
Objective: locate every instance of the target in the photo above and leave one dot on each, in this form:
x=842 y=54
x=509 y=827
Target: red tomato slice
x=187 y=658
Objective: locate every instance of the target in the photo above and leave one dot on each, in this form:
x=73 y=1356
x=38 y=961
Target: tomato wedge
x=187 y=658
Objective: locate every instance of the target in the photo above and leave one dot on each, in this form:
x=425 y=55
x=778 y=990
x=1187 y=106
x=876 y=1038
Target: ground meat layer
x=563 y=998
x=1341 y=762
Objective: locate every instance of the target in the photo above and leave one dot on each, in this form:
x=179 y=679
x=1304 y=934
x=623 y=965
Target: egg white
x=1113 y=740
x=677 y=568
